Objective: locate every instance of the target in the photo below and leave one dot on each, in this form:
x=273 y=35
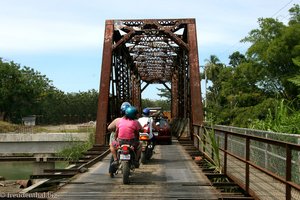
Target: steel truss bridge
x=137 y=53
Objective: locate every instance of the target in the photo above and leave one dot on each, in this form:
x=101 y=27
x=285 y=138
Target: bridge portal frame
x=122 y=75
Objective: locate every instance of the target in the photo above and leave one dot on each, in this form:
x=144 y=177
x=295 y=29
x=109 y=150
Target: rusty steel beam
x=176 y=39
x=124 y=39
x=195 y=87
x=174 y=96
x=104 y=84
x=136 y=93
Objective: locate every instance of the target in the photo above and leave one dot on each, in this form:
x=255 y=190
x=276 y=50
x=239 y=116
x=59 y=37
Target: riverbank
x=9 y=186
x=14 y=186
x=6 y=127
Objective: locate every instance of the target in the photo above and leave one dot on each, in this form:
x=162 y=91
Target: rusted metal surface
x=104 y=86
x=174 y=94
x=147 y=51
x=242 y=165
x=197 y=111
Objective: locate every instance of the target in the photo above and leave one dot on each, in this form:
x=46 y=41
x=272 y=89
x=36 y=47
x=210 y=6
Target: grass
x=210 y=144
x=284 y=118
x=74 y=152
x=6 y=127
x=214 y=143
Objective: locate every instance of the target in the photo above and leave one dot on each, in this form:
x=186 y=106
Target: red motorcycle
x=126 y=156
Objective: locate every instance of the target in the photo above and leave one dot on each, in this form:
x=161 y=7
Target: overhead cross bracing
x=137 y=53
x=153 y=51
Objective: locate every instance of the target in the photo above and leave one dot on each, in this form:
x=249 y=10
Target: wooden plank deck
x=171 y=174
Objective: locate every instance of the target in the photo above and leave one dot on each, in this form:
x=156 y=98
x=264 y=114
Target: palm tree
x=212 y=67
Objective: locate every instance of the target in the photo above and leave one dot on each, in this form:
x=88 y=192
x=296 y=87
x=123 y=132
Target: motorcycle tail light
x=144 y=137
x=125 y=149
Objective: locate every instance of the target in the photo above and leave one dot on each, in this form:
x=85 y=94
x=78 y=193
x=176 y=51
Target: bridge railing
x=261 y=164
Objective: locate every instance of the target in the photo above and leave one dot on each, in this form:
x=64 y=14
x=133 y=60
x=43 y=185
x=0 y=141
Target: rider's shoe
x=111 y=175
x=136 y=164
x=115 y=163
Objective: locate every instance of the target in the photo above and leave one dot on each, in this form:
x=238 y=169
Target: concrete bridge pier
x=41 y=163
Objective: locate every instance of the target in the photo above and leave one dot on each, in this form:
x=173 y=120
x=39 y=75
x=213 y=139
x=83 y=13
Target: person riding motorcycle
x=112 y=128
x=146 y=121
x=127 y=131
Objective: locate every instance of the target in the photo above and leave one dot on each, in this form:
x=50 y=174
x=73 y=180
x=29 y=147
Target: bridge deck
x=171 y=174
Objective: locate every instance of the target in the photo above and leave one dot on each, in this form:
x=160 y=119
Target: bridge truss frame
x=147 y=51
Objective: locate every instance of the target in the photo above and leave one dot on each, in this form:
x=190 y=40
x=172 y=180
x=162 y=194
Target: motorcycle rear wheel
x=126 y=172
x=143 y=157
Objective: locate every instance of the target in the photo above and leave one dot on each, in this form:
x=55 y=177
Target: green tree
x=295 y=14
x=236 y=59
x=24 y=91
x=164 y=93
x=246 y=90
x=9 y=77
x=273 y=47
x=214 y=101
x=21 y=90
x=166 y=106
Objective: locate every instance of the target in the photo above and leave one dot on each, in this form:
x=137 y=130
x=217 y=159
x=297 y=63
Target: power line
x=243 y=45
x=282 y=8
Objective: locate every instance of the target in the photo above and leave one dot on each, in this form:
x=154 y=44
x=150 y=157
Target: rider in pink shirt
x=127 y=131
x=127 y=128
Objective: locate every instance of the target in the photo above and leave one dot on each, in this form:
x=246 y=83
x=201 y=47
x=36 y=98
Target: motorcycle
x=126 y=156
x=147 y=147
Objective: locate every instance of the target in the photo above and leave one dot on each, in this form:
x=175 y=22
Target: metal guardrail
x=241 y=160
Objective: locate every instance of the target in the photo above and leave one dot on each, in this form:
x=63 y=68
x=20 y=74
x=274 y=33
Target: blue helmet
x=124 y=106
x=131 y=112
x=146 y=111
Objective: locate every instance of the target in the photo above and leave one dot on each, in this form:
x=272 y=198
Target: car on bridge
x=163 y=133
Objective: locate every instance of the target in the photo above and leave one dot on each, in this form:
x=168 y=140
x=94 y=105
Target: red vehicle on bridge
x=163 y=134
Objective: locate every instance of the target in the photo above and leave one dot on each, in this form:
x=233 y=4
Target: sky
x=63 y=39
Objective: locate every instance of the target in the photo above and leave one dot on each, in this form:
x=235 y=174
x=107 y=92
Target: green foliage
x=164 y=104
x=209 y=137
x=21 y=90
x=164 y=93
x=6 y=127
x=236 y=59
x=283 y=118
x=76 y=150
x=24 y=92
x=295 y=14
x=247 y=91
x=274 y=47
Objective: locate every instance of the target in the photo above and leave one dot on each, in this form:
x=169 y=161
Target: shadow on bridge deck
x=171 y=174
